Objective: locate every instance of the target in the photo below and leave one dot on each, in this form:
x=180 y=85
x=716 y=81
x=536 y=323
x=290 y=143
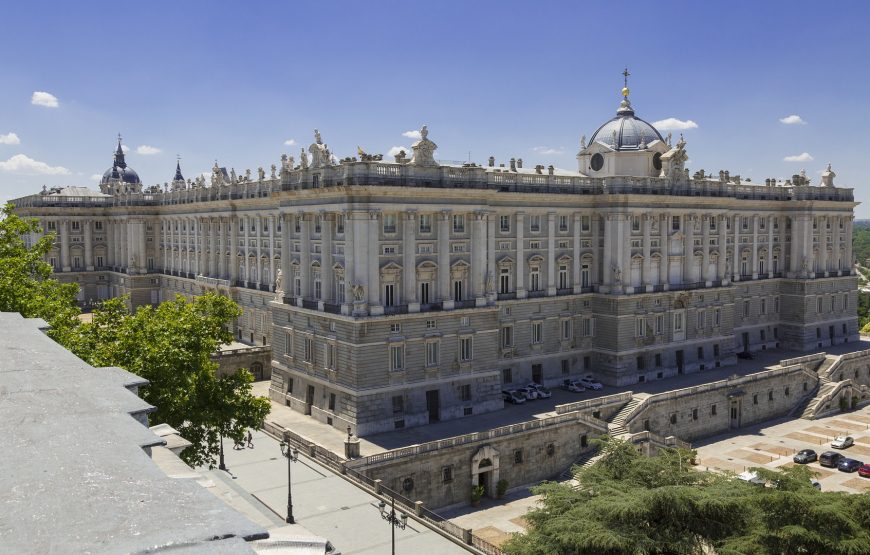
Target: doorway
x=309 y=399
x=484 y=476
x=735 y=413
x=680 y=361
x=538 y=373
x=433 y=405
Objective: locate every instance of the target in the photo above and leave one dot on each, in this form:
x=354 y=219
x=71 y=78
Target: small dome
x=631 y=131
x=126 y=175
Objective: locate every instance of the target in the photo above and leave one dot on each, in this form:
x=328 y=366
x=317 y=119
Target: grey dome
x=631 y=131
x=126 y=175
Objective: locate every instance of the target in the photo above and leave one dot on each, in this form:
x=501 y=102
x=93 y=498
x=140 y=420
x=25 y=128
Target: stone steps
x=810 y=411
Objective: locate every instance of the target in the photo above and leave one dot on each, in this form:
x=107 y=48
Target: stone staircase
x=825 y=387
x=585 y=461
x=619 y=424
x=829 y=361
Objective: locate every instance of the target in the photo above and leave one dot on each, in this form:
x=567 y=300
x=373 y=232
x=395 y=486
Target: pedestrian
x=250 y=440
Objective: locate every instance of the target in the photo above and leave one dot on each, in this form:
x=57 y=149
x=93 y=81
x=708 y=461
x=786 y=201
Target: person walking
x=250 y=440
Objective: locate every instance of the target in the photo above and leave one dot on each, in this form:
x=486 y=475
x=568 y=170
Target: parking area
x=773 y=444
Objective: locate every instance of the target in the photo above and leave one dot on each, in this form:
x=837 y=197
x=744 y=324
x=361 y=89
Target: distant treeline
x=861 y=241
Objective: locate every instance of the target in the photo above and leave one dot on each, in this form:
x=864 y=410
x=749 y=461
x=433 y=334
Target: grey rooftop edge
x=74 y=473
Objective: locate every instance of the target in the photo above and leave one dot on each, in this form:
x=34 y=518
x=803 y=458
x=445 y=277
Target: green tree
x=171 y=347
x=628 y=503
x=26 y=285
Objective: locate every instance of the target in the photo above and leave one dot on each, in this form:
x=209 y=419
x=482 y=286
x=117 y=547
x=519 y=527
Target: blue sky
x=233 y=81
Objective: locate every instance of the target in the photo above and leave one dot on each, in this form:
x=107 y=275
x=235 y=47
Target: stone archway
x=485 y=469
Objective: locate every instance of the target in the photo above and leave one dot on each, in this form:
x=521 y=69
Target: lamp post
x=292 y=455
x=390 y=516
x=221 y=465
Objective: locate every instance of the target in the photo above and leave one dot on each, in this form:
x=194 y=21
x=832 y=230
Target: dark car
x=830 y=459
x=849 y=465
x=864 y=471
x=805 y=456
x=745 y=354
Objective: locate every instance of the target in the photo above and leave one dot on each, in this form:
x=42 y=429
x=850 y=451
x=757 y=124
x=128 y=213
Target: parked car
x=572 y=385
x=514 y=397
x=589 y=383
x=543 y=392
x=842 y=442
x=805 y=456
x=830 y=459
x=849 y=465
x=529 y=392
x=745 y=355
x=864 y=471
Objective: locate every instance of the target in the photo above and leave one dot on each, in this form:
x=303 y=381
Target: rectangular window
x=425 y=223
x=389 y=221
x=640 y=363
x=635 y=223
x=431 y=324
x=339 y=223
x=700 y=353
x=678 y=321
x=398 y=404
x=100 y=262
x=713 y=410
x=717 y=317
x=466 y=351
x=675 y=223
x=746 y=309
x=563 y=277
x=330 y=356
x=459 y=223
x=658 y=359
x=584 y=223
x=518 y=456
x=566 y=329
x=763 y=308
x=76 y=225
x=465 y=392
x=507 y=336
x=588 y=327
x=432 y=353
x=395 y=328
x=702 y=319
x=505 y=224
x=389 y=294
x=819 y=305
x=566 y=366
x=639 y=327
x=446 y=474
x=534 y=223
x=507 y=375
x=397 y=357
x=563 y=223
x=288 y=344
x=318 y=224
x=309 y=350
x=537 y=332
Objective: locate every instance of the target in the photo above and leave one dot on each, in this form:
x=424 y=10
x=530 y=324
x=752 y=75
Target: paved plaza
x=324 y=504
x=773 y=444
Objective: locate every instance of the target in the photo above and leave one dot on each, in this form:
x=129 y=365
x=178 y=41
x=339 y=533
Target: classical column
x=721 y=268
x=248 y=252
x=847 y=223
x=735 y=259
x=705 y=250
x=551 y=253
x=664 y=251
x=258 y=233
x=492 y=272
x=213 y=247
x=688 y=248
x=203 y=249
x=63 y=230
x=823 y=245
x=646 y=269
x=372 y=253
x=89 y=246
x=327 y=227
x=222 y=248
x=143 y=250
x=521 y=256
x=408 y=295
x=305 y=255
x=443 y=286
x=327 y=270
x=234 y=249
x=286 y=276
x=770 y=246
x=754 y=246
x=575 y=269
x=595 y=270
x=607 y=262
x=478 y=254
x=624 y=245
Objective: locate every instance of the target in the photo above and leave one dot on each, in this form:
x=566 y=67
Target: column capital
x=444 y=215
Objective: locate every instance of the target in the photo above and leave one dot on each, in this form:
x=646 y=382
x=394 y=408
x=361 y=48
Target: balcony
x=507 y=296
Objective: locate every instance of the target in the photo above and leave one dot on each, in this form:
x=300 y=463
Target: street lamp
x=292 y=455
x=390 y=516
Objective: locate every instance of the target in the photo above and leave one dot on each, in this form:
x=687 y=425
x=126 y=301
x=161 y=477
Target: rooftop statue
x=424 y=150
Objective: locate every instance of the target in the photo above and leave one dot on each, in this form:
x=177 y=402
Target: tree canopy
x=26 y=284
x=171 y=347
x=628 y=503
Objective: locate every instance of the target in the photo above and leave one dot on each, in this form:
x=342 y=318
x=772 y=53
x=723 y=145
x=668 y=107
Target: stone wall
x=258 y=360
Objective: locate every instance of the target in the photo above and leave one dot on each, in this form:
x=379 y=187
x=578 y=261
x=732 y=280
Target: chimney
x=520 y=163
x=492 y=161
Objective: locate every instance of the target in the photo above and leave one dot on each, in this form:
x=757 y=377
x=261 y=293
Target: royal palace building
x=398 y=293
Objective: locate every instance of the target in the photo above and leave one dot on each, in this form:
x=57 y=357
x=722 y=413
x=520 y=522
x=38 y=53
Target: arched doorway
x=257 y=371
x=484 y=470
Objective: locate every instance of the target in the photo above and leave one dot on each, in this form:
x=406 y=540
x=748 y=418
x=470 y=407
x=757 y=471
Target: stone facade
x=413 y=291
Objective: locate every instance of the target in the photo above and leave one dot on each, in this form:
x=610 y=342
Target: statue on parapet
x=359 y=292
x=279 y=285
x=424 y=150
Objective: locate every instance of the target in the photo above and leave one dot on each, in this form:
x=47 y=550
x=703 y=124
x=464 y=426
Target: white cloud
x=549 y=150
x=125 y=149
x=396 y=149
x=290 y=142
x=146 y=150
x=793 y=119
x=42 y=98
x=674 y=124
x=804 y=157
x=96 y=177
x=9 y=139
x=412 y=134
x=25 y=165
